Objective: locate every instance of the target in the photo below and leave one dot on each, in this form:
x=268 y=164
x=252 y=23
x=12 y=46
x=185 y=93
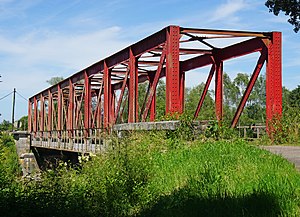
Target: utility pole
x=13 y=109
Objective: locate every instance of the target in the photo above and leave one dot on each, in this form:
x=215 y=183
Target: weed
x=144 y=176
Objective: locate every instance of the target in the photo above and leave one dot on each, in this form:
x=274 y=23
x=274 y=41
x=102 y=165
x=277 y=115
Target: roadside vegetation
x=157 y=174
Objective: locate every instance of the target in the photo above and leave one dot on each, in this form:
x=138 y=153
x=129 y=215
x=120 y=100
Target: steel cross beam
x=87 y=100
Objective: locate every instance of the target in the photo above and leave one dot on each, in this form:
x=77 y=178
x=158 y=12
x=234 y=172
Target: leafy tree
x=231 y=92
x=160 y=99
x=241 y=81
x=254 y=110
x=294 y=97
x=192 y=99
x=5 y=126
x=285 y=97
x=256 y=106
x=291 y=8
x=24 y=123
x=54 y=80
x=142 y=91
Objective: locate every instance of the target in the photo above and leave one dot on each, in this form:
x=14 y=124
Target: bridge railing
x=78 y=140
x=256 y=131
x=95 y=140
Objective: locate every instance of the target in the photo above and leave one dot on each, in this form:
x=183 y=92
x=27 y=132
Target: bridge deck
x=97 y=141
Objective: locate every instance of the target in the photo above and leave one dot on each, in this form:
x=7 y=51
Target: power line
x=21 y=96
x=6 y=95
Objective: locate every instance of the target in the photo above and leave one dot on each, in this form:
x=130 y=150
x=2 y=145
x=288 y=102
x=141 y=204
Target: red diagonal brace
x=154 y=84
x=236 y=50
x=97 y=113
x=71 y=111
x=78 y=110
x=121 y=96
x=153 y=102
x=249 y=88
x=208 y=81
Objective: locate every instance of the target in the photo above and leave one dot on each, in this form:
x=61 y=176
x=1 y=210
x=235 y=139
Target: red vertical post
x=71 y=110
x=174 y=84
x=274 y=79
x=99 y=108
x=29 y=116
x=59 y=108
x=87 y=103
x=35 y=115
x=50 y=108
x=107 y=96
x=181 y=91
x=133 y=89
x=219 y=90
x=42 y=113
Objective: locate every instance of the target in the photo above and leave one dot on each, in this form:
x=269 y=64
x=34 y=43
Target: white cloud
x=228 y=10
x=62 y=50
x=13 y=8
x=73 y=51
x=32 y=59
x=9 y=47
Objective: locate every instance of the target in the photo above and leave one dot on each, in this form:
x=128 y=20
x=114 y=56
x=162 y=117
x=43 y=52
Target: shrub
x=143 y=175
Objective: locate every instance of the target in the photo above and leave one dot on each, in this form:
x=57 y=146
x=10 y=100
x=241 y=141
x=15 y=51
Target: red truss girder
x=106 y=92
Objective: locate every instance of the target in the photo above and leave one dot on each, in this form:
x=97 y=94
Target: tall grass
x=153 y=174
x=9 y=170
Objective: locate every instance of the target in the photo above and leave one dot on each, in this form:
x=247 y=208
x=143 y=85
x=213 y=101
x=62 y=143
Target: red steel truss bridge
x=73 y=114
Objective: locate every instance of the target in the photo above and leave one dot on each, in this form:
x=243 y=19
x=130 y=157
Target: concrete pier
x=26 y=157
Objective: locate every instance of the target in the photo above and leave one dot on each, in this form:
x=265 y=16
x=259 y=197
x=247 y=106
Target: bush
x=143 y=175
x=287 y=129
x=9 y=171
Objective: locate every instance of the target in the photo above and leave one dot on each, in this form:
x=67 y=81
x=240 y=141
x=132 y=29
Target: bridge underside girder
x=106 y=93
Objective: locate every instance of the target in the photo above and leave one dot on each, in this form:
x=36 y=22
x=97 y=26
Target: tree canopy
x=54 y=80
x=291 y=8
x=294 y=97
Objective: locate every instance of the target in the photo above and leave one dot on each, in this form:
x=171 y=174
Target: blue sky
x=40 y=39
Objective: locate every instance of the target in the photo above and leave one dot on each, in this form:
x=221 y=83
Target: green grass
x=224 y=179
x=153 y=174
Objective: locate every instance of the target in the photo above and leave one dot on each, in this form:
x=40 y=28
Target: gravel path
x=291 y=153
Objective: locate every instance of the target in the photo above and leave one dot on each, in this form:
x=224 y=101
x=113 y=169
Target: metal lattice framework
x=97 y=97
